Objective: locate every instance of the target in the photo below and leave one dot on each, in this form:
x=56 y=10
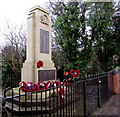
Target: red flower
x=39 y=64
x=65 y=73
x=75 y=73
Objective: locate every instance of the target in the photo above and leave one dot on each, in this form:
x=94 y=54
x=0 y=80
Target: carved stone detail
x=44 y=19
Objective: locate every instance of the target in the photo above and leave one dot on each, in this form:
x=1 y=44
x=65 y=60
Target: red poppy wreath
x=39 y=64
x=75 y=73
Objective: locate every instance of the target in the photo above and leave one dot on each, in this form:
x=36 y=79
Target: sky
x=16 y=11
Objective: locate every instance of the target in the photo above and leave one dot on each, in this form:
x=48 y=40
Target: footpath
x=110 y=109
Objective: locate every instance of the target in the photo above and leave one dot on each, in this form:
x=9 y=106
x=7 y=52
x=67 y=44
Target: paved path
x=111 y=108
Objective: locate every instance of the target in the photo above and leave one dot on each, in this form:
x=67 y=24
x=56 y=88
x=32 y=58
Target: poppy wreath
x=75 y=73
x=56 y=83
x=23 y=83
x=30 y=86
x=41 y=85
x=48 y=84
x=39 y=64
x=65 y=73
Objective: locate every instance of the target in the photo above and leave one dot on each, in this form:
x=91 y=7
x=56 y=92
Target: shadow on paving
x=110 y=109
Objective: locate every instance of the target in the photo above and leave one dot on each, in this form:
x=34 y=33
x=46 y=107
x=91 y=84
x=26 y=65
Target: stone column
x=38 y=47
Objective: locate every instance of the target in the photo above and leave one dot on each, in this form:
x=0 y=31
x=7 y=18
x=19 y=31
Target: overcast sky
x=16 y=11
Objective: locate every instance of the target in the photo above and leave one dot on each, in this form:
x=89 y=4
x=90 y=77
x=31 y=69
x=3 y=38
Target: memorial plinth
x=38 y=47
x=25 y=103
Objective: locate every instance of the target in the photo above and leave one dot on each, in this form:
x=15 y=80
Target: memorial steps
x=46 y=102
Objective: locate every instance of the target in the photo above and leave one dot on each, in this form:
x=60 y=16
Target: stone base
x=47 y=102
x=28 y=97
x=30 y=73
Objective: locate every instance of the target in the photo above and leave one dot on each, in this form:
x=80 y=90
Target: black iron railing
x=79 y=98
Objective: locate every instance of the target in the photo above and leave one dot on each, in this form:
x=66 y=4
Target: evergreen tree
x=84 y=34
x=67 y=24
x=100 y=21
x=116 y=34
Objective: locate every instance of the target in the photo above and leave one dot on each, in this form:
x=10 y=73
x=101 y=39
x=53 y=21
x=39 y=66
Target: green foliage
x=116 y=35
x=101 y=24
x=68 y=24
x=87 y=35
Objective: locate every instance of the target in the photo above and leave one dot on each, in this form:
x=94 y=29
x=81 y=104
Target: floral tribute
x=42 y=85
x=31 y=87
x=75 y=73
x=66 y=73
x=39 y=64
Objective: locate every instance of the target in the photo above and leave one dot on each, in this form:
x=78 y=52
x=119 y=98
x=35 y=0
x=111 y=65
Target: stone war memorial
x=38 y=47
x=38 y=65
x=40 y=93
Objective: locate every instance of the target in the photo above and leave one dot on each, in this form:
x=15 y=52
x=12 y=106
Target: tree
x=13 y=54
x=116 y=34
x=100 y=21
x=69 y=27
x=84 y=33
x=67 y=38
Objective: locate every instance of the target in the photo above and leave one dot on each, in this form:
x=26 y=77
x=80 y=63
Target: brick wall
x=116 y=80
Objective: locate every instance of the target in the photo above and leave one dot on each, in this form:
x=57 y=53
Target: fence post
x=98 y=92
x=84 y=97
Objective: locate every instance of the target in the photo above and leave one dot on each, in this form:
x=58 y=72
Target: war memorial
x=40 y=93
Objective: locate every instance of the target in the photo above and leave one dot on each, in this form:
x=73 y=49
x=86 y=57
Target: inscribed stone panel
x=44 y=41
x=44 y=75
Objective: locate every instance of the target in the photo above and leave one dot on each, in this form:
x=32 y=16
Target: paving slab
x=111 y=108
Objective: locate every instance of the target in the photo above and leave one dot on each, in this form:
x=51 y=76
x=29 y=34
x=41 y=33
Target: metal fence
x=80 y=98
